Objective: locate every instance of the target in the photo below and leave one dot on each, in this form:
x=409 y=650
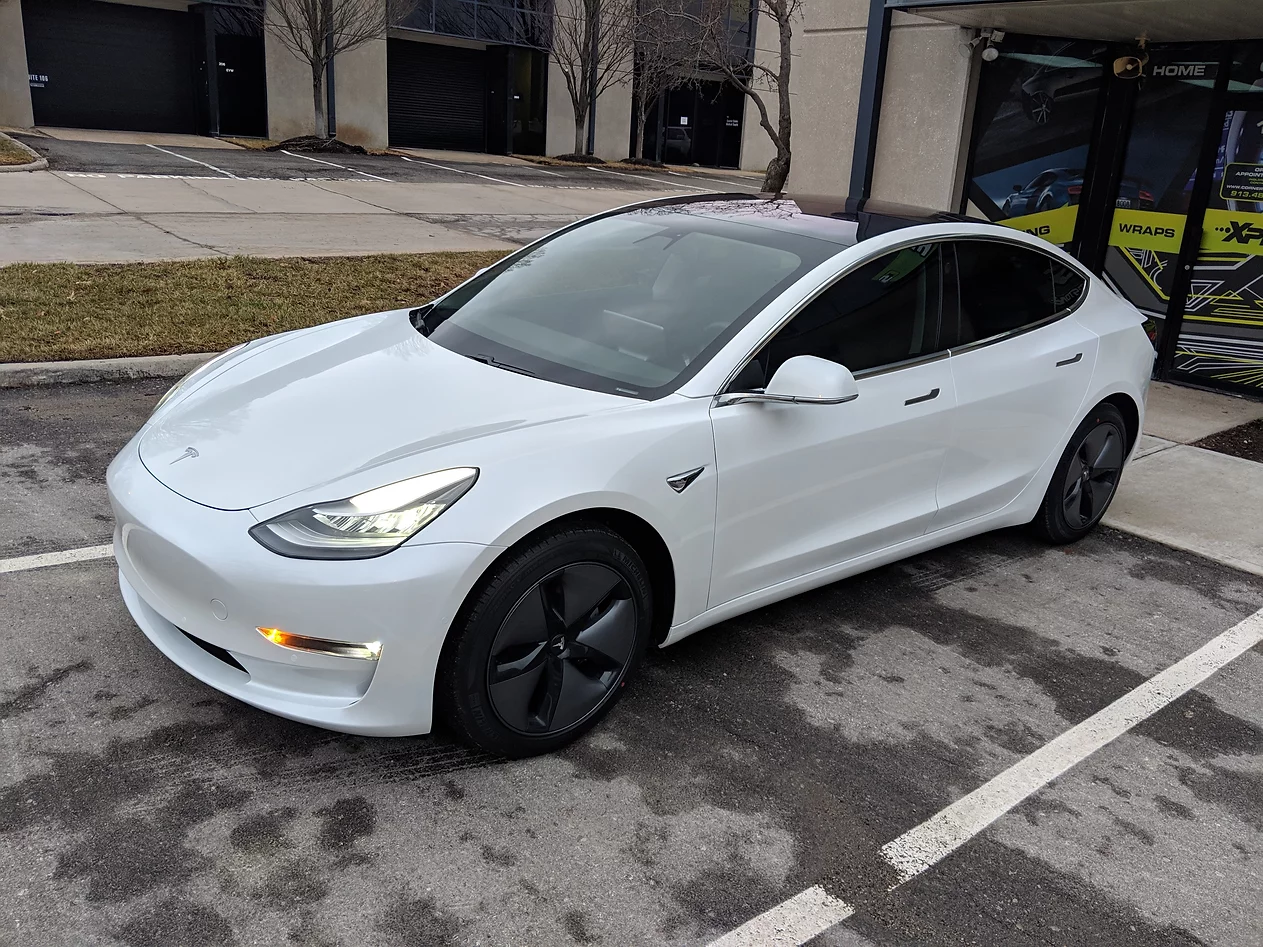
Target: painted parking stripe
x=919 y=849
x=84 y=554
x=338 y=166
x=443 y=167
x=176 y=154
x=702 y=177
x=645 y=177
x=791 y=923
x=941 y=834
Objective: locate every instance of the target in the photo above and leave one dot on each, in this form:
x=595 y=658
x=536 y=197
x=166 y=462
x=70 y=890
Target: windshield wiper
x=496 y=363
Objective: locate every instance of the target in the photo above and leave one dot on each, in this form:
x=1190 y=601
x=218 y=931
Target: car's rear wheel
x=1086 y=478
x=546 y=646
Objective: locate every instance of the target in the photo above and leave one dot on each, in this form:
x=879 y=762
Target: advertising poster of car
x=1222 y=334
x=1036 y=107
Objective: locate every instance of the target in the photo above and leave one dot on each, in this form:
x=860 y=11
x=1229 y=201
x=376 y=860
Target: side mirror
x=1017 y=187
x=803 y=379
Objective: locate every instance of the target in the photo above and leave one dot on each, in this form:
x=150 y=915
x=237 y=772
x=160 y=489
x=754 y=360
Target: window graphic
x=1035 y=111
x=1222 y=334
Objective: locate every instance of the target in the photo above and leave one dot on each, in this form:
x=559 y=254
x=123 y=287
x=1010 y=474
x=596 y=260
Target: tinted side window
x=1002 y=288
x=1068 y=286
x=886 y=311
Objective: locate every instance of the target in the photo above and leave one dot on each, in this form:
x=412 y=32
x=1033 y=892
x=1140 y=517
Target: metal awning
x=1162 y=21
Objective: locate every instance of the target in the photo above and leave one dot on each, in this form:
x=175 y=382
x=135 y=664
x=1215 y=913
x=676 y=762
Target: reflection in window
x=504 y=22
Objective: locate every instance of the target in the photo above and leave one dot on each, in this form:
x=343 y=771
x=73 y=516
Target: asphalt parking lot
x=84 y=157
x=772 y=753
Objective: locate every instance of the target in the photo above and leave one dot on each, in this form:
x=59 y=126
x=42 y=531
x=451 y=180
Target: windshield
x=631 y=304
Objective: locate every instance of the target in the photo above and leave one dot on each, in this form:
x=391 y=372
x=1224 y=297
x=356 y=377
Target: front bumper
x=183 y=565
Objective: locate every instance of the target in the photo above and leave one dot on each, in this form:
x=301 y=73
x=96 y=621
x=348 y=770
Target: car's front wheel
x=1086 y=478
x=547 y=643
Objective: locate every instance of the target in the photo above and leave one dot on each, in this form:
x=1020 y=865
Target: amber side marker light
x=366 y=651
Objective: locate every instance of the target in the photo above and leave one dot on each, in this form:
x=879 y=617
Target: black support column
x=872 y=80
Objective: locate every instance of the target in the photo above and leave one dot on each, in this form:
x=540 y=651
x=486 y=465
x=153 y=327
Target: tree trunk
x=579 y=129
x=638 y=130
x=777 y=171
x=318 y=100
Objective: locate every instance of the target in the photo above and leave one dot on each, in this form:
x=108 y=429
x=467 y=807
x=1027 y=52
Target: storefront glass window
x=1168 y=125
x=1221 y=338
x=1034 y=117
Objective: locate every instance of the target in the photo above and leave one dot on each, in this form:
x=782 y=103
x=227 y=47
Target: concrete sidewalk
x=53 y=216
x=1193 y=499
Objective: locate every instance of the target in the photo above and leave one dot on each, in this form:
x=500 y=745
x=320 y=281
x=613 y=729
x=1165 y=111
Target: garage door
x=437 y=95
x=110 y=66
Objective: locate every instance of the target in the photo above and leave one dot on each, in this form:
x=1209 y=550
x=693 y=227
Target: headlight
x=196 y=373
x=368 y=524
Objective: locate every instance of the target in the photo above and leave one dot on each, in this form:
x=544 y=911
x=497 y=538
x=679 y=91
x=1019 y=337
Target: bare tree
x=665 y=55
x=316 y=31
x=592 y=46
x=721 y=46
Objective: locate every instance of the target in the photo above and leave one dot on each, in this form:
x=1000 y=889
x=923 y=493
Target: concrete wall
x=15 y=86
x=613 y=118
x=923 y=116
x=290 y=109
x=922 y=136
x=360 y=95
x=559 y=133
x=756 y=148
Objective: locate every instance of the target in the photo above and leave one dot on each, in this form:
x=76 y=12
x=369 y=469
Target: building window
x=503 y=22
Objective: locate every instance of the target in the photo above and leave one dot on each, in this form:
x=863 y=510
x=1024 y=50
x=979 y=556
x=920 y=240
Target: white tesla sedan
x=484 y=510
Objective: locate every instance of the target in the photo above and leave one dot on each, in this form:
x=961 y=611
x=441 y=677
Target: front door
x=804 y=487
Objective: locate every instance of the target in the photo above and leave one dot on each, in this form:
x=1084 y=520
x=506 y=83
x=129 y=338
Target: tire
x=546 y=644
x=1086 y=478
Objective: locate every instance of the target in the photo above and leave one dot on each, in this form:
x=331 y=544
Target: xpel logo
x=1243 y=232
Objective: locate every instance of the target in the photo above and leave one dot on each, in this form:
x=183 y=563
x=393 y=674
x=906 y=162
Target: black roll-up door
x=436 y=95
x=109 y=65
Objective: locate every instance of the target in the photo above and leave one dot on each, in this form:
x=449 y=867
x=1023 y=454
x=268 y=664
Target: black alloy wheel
x=562 y=648
x=1092 y=476
x=1086 y=478
x=546 y=642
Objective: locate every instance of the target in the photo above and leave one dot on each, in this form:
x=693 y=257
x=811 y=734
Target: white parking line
x=443 y=167
x=176 y=154
x=84 y=554
x=702 y=177
x=938 y=836
x=532 y=167
x=790 y=923
x=645 y=177
x=338 y=166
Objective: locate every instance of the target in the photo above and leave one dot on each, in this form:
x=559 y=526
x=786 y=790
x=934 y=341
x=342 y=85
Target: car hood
x=311 y=407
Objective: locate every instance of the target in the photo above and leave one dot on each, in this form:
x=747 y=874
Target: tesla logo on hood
x=188 y=452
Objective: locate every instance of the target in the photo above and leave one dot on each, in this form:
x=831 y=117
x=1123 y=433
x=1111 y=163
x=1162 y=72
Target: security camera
x=990 y=54
x=1130 y=67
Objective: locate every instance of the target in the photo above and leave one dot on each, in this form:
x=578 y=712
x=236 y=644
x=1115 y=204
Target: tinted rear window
x=1005 y=287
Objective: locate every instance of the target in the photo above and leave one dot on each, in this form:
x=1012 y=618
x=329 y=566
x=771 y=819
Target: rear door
x=1021 y=365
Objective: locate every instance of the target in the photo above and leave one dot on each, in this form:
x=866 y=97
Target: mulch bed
x=1245 y=440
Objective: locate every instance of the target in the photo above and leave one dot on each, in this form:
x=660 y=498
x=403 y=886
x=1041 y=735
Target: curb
x=39 y=164
x=83 y=371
